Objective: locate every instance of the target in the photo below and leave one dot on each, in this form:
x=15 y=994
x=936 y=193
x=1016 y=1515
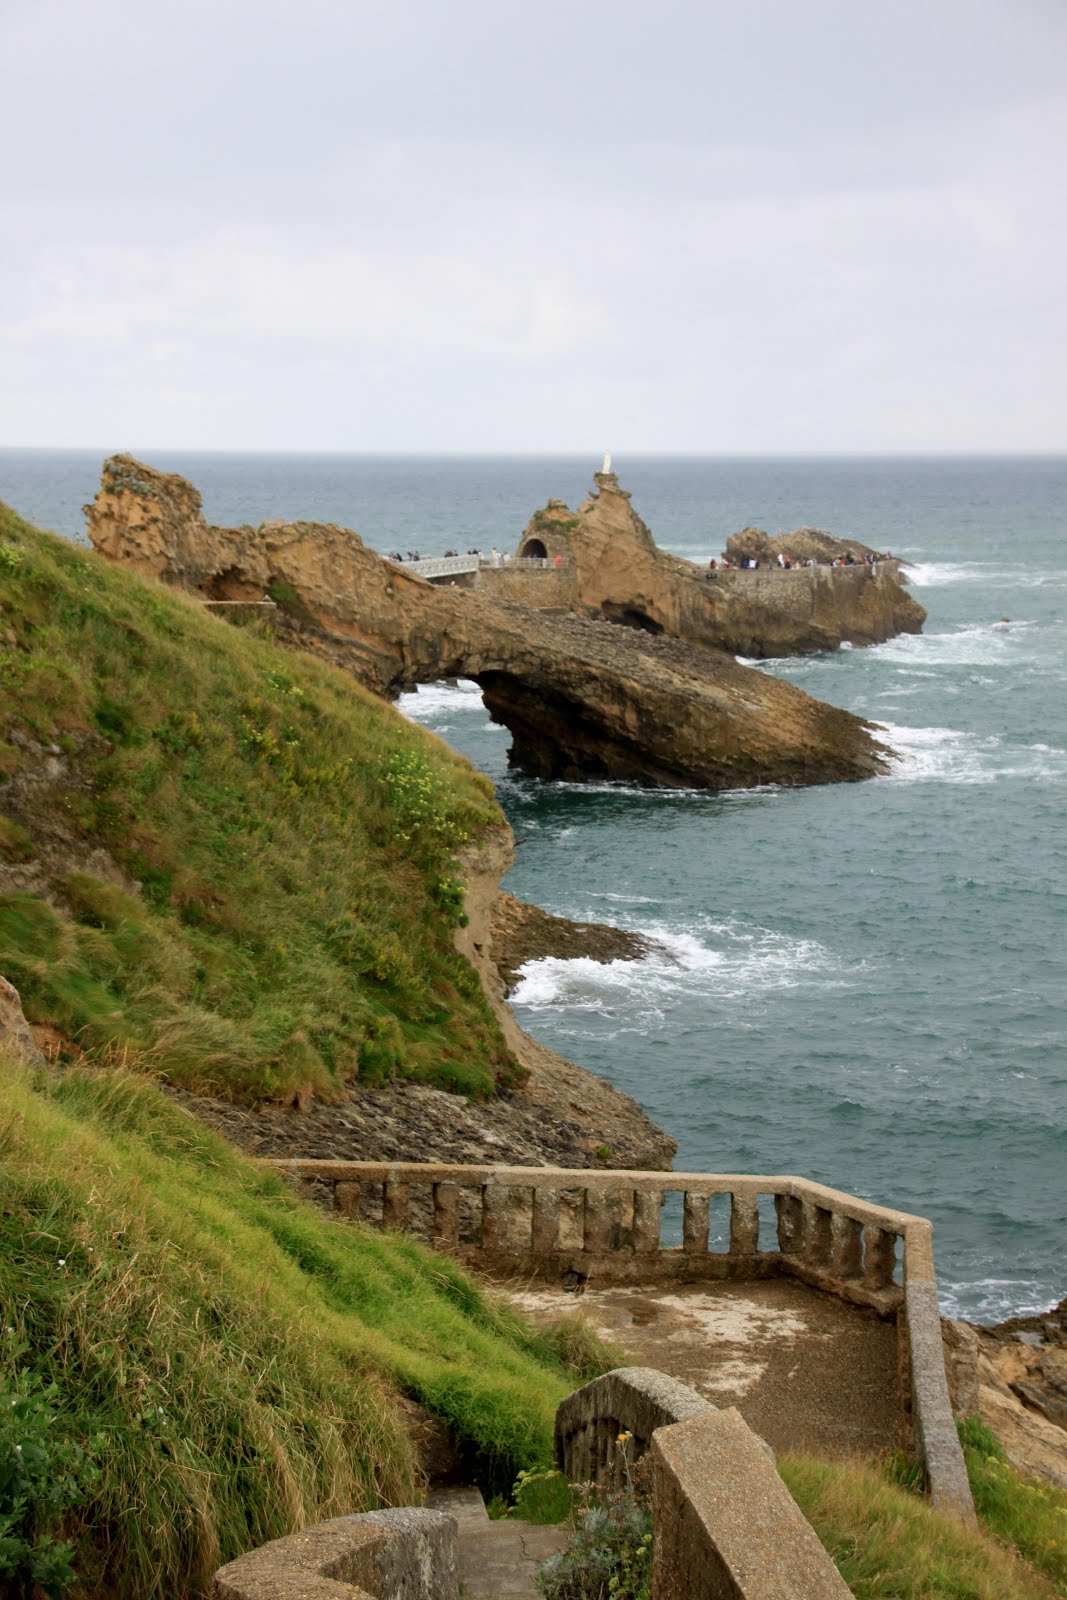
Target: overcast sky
x=680 y=225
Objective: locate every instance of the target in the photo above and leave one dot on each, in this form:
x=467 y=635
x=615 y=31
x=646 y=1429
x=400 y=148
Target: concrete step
x=497 y=1560
x=466 y=1505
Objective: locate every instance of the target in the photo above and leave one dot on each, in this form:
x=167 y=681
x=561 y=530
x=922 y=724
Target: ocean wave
x=978 y=644
x=991 y=1300
x=932 y=574
x=431 y=700
x=950 y=755
x=724 y=963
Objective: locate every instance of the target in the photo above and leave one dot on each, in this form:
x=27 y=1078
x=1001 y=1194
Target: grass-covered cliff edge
x=230 y=863
x=193 y=1361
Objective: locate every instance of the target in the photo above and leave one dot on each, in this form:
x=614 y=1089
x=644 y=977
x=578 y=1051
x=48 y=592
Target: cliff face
x=581 y=697
x=616 y=568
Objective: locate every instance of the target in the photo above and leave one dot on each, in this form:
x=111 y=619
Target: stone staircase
x=496 y=1559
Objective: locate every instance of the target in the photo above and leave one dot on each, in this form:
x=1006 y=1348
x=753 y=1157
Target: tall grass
x=889 y=1544
x=231 y=1355
x=289 y=845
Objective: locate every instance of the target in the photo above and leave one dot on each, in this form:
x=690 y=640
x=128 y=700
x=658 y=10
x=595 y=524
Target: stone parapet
x=408 y=1554
x=725 y=1526
x=605 y=1427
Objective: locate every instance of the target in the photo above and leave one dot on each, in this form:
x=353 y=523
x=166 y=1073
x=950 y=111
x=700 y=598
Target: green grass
x=889 y=1544
x=230 y=1356
x=288 y=842
x=1025 y=1513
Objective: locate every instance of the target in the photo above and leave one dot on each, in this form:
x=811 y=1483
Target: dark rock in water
x=524 y=933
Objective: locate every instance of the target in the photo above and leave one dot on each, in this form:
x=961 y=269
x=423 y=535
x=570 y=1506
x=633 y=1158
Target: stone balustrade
x=573 y=1226
x=566 y=1225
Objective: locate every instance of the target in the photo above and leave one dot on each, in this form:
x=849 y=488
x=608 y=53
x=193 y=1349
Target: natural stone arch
x=535 y=550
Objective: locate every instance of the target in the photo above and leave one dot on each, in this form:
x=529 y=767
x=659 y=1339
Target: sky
x=468 y=225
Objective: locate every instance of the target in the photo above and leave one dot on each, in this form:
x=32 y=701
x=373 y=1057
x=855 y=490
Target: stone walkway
x=497 y=1560
x=806 y=1371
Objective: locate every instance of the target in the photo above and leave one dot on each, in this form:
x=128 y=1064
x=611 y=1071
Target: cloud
x=699 y=228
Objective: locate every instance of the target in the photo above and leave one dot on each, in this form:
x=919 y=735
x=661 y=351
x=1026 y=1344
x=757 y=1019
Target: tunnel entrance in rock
x=630 y=617
x=535 y=550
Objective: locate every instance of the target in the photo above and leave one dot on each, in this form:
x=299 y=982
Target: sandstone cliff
x=615 y=568
x=581 y=697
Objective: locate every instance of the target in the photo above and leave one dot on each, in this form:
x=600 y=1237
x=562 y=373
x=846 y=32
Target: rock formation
x=615 y=568
x=581 y=697
x=16 y=1037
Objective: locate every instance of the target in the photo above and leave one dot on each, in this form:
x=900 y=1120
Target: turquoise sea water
x=866 y=982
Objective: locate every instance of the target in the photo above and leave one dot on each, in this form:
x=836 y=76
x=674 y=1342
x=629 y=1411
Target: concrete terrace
x=807 y=1371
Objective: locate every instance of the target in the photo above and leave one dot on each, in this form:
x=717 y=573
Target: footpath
x=497 y=1559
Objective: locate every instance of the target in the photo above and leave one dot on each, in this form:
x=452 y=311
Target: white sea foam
x=431 y=700
x=948 y=755
x=985 y=644
x=932 y=574
x=722 y=963
x=989 y=1300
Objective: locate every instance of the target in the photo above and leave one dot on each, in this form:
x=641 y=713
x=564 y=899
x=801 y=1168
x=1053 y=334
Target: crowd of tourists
x=786 y=564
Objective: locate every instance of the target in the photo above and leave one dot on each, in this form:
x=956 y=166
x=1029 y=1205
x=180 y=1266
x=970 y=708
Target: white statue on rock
x=606 y=468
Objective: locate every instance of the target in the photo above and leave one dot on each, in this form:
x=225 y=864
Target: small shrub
x=43 y=1475
x=611 y=1554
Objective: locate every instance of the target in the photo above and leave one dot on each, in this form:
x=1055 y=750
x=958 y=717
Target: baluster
x=396 y=1205
x=790 y=1213
x=545 y=1221
x=847 y=1246
x=879 y=1256
x=494 y=1218
x=744 y=1225
x=597 y=1222
x=647 y=1207
x=445 y=1215
x=817 y=1224
x=695 y=1224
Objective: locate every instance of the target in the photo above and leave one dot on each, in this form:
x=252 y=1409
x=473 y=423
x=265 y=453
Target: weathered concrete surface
x=582 y=698
x=408 y=1554
x=496 y=1560
x=725 y=1525
x=624 y=1406
x=806 y=1371
x=615 y=566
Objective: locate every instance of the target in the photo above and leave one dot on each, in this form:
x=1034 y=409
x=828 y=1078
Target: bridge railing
x=571 y=1226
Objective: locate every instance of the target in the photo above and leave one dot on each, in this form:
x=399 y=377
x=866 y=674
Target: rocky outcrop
x=616 y=569
x=1023 y=1390
x=581 y=697
x=524 y=933
x=16 y=1038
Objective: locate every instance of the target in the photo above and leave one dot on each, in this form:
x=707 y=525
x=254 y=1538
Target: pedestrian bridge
x=435 y=567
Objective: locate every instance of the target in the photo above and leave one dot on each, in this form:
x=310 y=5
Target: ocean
x=863 y=983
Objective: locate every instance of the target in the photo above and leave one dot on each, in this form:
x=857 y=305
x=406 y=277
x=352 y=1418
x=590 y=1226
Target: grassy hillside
x=225 y=1356
x=230 y=862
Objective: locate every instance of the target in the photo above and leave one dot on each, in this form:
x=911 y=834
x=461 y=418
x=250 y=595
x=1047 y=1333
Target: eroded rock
x=582 y=699
x=16 y=1037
